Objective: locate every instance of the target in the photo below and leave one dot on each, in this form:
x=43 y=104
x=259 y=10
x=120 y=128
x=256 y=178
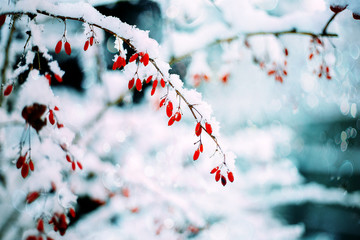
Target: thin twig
x=253 y=34
x=328 y=23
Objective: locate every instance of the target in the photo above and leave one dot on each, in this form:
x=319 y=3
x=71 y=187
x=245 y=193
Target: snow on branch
x=146 y=51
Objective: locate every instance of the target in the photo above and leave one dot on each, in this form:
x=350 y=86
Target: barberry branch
x=253 y=34
x=126 y=41
x=190 y=106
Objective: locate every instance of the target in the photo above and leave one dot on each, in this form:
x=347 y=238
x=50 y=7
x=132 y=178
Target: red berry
x=48 y=77
x=25 y=170
x=68 y=158
x=225 y=78
x=53 y=187
x=131 y=83
x=271 y=72
x=51 y=117
x=286 y=52
x=32 y=196
x=8 y=90
x=318 y=41
x=72 y=212
x=208 y=128
x=60 y=125
x=79 y=165
x=201 y=148
x=214 y=170
x=56 y=108
x=2 y=20
x=145 y=59
x=125 y=192
x=91 y=41
x=337 y=8
x=134 y=209
x=73 y=166
x=162 y=102
x=162 y=82
x=31 y=165
x=20 y=162
x=138 y=84
x=206 y=77
x=62 y=225
x=155 y=82
x=58 y=47
x=217 y=175
x=169 y=109
x=86 y=45
x=121 y=62
x=223 y=180
x=31 y=238
x=153 y=91
x=196 y=155
x=198 y=129
x=67 y=48
x=58 y=78
x=115 y=65
x=149 y=79
x=230 y=176
x=171 y=121
x=177 y=116
x=133 y=57
x=40 y=226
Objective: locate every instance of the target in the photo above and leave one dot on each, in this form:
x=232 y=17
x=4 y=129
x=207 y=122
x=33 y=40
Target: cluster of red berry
x=58 y=219
x=317 y=48
x=25 y=163
x=218 y=175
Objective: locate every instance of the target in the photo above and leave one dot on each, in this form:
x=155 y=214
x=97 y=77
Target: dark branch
x=328 y=23
x=254 y=34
